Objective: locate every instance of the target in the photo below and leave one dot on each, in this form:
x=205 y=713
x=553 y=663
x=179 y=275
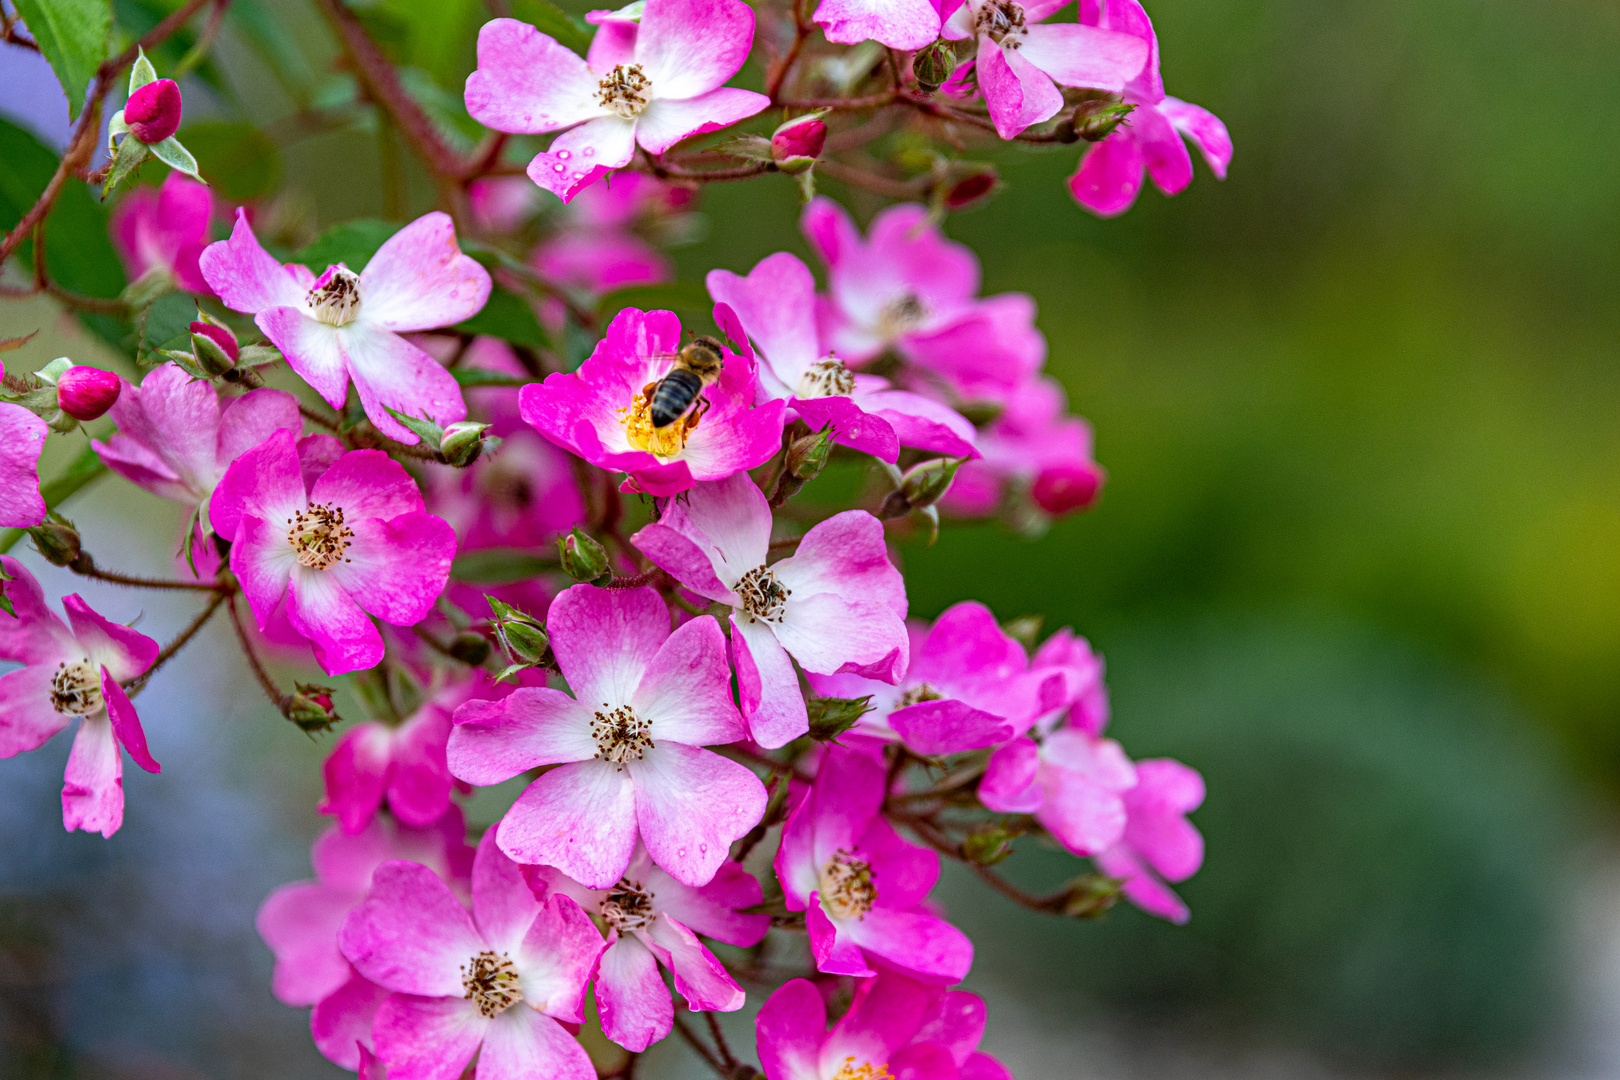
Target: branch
x=181 y=640
x=85 y=566
x=265 y=682
x=702 y=1050
x=931 y=834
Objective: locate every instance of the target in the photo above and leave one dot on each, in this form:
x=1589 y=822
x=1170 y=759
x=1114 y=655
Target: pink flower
x=776 y=307
x=596 y=250
x=864 y=889
x=969 y=686
x=653 y=919
x=73 y=673
x=666 y=88
x=601 y=414
x=494 y=983
x=905 y=287
x=799 y=141
x=22 y=437
x=1149 y=141
x=1085 y=694
x=1020 y=59
x=1160 y=845
x=349 y=541
x=343 y=325
x=86 y=393
x=899 y=24
x=615 y=40
x=166 y=228
x=1035 y=445
x=1073 y=782
x=300 y=922
x=629 y=745
x=153 y=111
x=835 y=605
x=176 y=438
x=896 y=1027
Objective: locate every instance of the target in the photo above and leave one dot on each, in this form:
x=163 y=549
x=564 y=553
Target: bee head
x=704 y=357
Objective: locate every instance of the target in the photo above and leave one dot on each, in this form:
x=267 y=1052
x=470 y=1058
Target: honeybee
x=695 y=368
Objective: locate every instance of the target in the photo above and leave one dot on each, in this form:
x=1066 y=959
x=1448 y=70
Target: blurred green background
x=1358 y=558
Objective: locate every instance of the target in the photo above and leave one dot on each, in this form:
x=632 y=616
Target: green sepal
x=425 y=428
x=131 y=152
x=176 y=157
x=141 y=72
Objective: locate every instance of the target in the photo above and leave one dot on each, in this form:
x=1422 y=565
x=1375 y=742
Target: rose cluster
x=743 y=757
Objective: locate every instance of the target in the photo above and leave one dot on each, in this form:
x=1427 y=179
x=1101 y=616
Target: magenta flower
x=836 y=605
x=601 y=411
x=352 y=543
x=73 y=673
x=166 y=228
x=864 y=890
x=343 y=325
x=86 y=393
x=776 y=307
x=22 y=437
x=653 y=919
x=896 y=1027
x=300 y=922
x=153 y=111
x=1021 y=61
x=629 y=744
x=1085 y=694
x=665 y=88
x=1073 y=782
x=1160 y=845
x=969 y=686
x=1149 y=141
x=495 y=983
x=1034 y=446
x=899 y=24
x=905 y=287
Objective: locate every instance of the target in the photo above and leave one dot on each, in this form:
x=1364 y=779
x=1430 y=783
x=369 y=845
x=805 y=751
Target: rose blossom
x=629 y=744
x=899 y=24
x=1035 y=445
x=343 y=325
x=22 y=437
x=71 y=673
x=1159 y=845
x=836 y=605
x=665 y=89
x=166 y=228
x=653 y=920
x=601 y=412
x=1072 y=781
x=353 y=542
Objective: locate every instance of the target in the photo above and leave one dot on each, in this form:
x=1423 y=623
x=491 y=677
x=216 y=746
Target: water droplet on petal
x=563 y=154
x=589 y=151
x=559 y=168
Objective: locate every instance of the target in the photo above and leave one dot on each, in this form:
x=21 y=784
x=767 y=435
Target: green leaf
x=570 y=31
x=499 y=566
x=73 y=35
x=240 y=162
x=507 y=316
x=175 y=156
x=84 y=468
x=484 y=377
x=351 y=243
x=131 y=152
x=168 y=322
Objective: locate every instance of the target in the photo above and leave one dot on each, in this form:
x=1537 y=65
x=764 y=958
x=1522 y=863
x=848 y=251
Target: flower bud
x=1063 y=489
x=215 y=346
x=830 y=717
x=988 y=846
x=56 y=539
x=310 y=707
x=1090 y=895
x=797 y=144
x=583 y=559
x=520 y=634
x=153 y=111
x=470 y=648
x=807 y=455
x=86 y=393
x=1095 y=120
x=923 y=485
x=462 y=442
x=974 y=187
x=933 y=65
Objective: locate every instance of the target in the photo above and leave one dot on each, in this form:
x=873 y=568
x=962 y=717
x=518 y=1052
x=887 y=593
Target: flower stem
x=181 y=640
x=85 y=566
x=269 y=686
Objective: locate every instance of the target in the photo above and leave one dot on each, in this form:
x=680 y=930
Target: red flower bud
x=801 y=138
x=153 y=111
x=220 y=336
x=1063 y=489
x=971 y=188
x=84 y=393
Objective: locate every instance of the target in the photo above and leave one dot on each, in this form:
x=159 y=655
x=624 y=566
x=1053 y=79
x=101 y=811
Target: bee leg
x=697 y=413
x=647 y=392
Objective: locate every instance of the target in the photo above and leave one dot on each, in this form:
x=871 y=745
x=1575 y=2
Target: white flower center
x=762 y=595
x=1003 y=21
x=901 y=315
x=620 y=735
x=625 y=91
x=76 y=689
x=490 y=981
x=847 y=887
x=628 y=906
x=318 y=536
x=335 y=297
x=917 y=694
x=827 y=377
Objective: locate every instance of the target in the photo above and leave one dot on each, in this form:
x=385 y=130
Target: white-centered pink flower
x=1159 y=846
x=899 y=24
x=776 y=308
x=628 y=743
x=22 y=438
x=72 y=673
x=351 y=542
x=342 y=325
x=836 y=605
x=499 y=982
x=652 y=921
x=1021 y=61
x=666 y=87
x=1074 y=782
x=165 y=229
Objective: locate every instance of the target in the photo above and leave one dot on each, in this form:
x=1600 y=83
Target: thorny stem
x=935 y=838
x=647 y=577
x=85 y=566
x=269 y=686
x=697 y=1044
x=181 y=640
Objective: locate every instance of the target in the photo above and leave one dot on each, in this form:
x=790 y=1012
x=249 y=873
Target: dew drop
x=559 y=168
x=563 y=154
x=589 y=151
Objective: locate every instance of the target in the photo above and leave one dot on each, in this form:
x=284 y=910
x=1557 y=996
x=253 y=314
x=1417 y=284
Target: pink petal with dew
x=1010 y=779
x=689 y=47
x=789 y=1030
x=767 y=685
x=429 y=1038
x=126 y=724
x=685 y=694
x=493 y=741
x=527 y=83
x=313 y=349
x=634 y=1003
x=899 y=24
x=581 y=156
x=300 y=924
x=396 y=569
x=699 y=978
x=245 y=276
x=834 y=951
x=341 y=1023
x=22 y=437
x=92 y=786
x=667 y=122
x=557 y=957
x=605 y=640
x=356 y=775
x=390 y=371
x=36 y=635
x=1204 y=128
x=124 y=652
x=714 y=909
x=580 y=818
x=691 y=804
x=521 y=1044
x=410 y=934
x=419 y=279
x=321 y=610
x=1110 y=175
x=1076 y=55
x=27 y=717
x=851 y=425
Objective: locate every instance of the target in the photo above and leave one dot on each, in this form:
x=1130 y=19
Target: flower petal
x=1017 y=92
x=948 y=727
x=493 y=741
x=689 y=47
x=319 y=609
x=713 y=909
x=521 y=1044
x=667 y=122
x=300 y=923
x=581 y=156
x=580 y=818
x=419 y=279
x=527 y=83
x=390 y=371
x=36 y=635
x=915 y=940
x=1076 y=55
x=428 y=1038
x=244 y=275
x=605 y=640
x=899 y=24
x=126 y=724
x=699 y=978
x=124 y=652
x=313 y=349
x=691 y=804
x=685 y=695
x=27 y=717
x=367 y=484
x=772 y=703
x=557 y=957
x=410 y=934
x=634 y=1003
x=396 y=569
x=247 y=422
x=92 y=786
x=835 y=952
x=1204 y=128
x=341 y=1022
x=776 y=305
x=265 y=482
x=790 y=1026
x=1110 y=175
x=263 y=563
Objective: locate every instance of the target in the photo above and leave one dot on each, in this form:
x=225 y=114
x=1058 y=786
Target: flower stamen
x=318 y=536
x=666 y=442
x=628 y=906
x=762 y=596
x=335 y=297
x=621 y=736
x=625 y=91
x=864 y=1071
x=490 y=981
x=901 y=315
x=917 y=694
x=1003 y=21
x=847 y=887
x=827 y=377
x=76 y=689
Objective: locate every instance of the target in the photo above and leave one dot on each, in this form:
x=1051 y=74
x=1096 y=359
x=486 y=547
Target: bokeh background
x=1358 y=561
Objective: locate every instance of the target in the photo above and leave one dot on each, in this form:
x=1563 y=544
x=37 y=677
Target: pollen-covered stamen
x=901 y=315
x=762 y=595
x=628 y=906
x=335 y=297
x=827 y=377
x=490 y=981
x=620 y=735
x=76 y=689
x=864 y=1071
x=847 y=887
x=668 y=441
x=917 y=694
x=625 y=91
x=1003 y=21
x=318 y=536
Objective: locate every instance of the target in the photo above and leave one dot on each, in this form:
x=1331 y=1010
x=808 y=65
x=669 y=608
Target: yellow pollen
x=864 y=1071
x=666 y=442
x=318 y=536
